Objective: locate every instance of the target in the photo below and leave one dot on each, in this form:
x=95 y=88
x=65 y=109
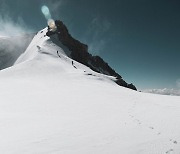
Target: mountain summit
x=60 y=36
x=79 y=52
x=51 y=103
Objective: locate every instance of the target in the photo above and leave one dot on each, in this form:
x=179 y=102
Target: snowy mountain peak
x=34 y=48
x=60 y=42
x=51 y=103
x=45 y=56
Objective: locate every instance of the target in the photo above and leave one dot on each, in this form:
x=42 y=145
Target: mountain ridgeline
x=79 y=52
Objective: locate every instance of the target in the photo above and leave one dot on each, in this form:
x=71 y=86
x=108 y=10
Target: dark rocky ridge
x=79 y=52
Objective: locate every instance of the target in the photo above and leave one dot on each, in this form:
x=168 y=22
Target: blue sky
x=139 y=39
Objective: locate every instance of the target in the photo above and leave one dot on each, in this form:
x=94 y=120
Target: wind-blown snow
x=11 y=48
x=49 y=105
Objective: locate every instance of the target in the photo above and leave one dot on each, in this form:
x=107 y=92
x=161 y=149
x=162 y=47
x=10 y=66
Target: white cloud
x=96 y=34
x=9 y=26
x=12 y=39
x=164 y=91
x=178 y=83
x=11 y=29
x=96 y=46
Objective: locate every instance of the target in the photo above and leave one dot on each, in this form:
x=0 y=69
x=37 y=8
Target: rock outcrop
x=79 y=52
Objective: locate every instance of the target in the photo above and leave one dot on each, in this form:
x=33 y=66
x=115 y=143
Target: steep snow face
x=35 y=46
x=52 y=104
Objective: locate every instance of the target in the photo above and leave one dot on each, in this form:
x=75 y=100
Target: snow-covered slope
x=50 y=104
x=11 y=48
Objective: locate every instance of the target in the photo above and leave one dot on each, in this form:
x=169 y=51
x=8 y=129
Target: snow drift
x=50 y=103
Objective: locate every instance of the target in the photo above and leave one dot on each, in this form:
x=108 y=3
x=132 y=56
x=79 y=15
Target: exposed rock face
x=79 y=52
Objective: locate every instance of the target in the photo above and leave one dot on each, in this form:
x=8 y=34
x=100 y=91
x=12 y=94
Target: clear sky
x=140 y=39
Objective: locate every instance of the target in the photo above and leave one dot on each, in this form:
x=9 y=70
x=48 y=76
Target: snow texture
x=51 y=104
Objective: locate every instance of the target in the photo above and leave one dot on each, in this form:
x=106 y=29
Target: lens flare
x=50 y=21
x=52 y=25
x=46 y=12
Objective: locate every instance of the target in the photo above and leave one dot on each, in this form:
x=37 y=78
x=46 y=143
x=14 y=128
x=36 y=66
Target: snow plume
x=13 y=38
x=9 y=27
x=165 y=91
